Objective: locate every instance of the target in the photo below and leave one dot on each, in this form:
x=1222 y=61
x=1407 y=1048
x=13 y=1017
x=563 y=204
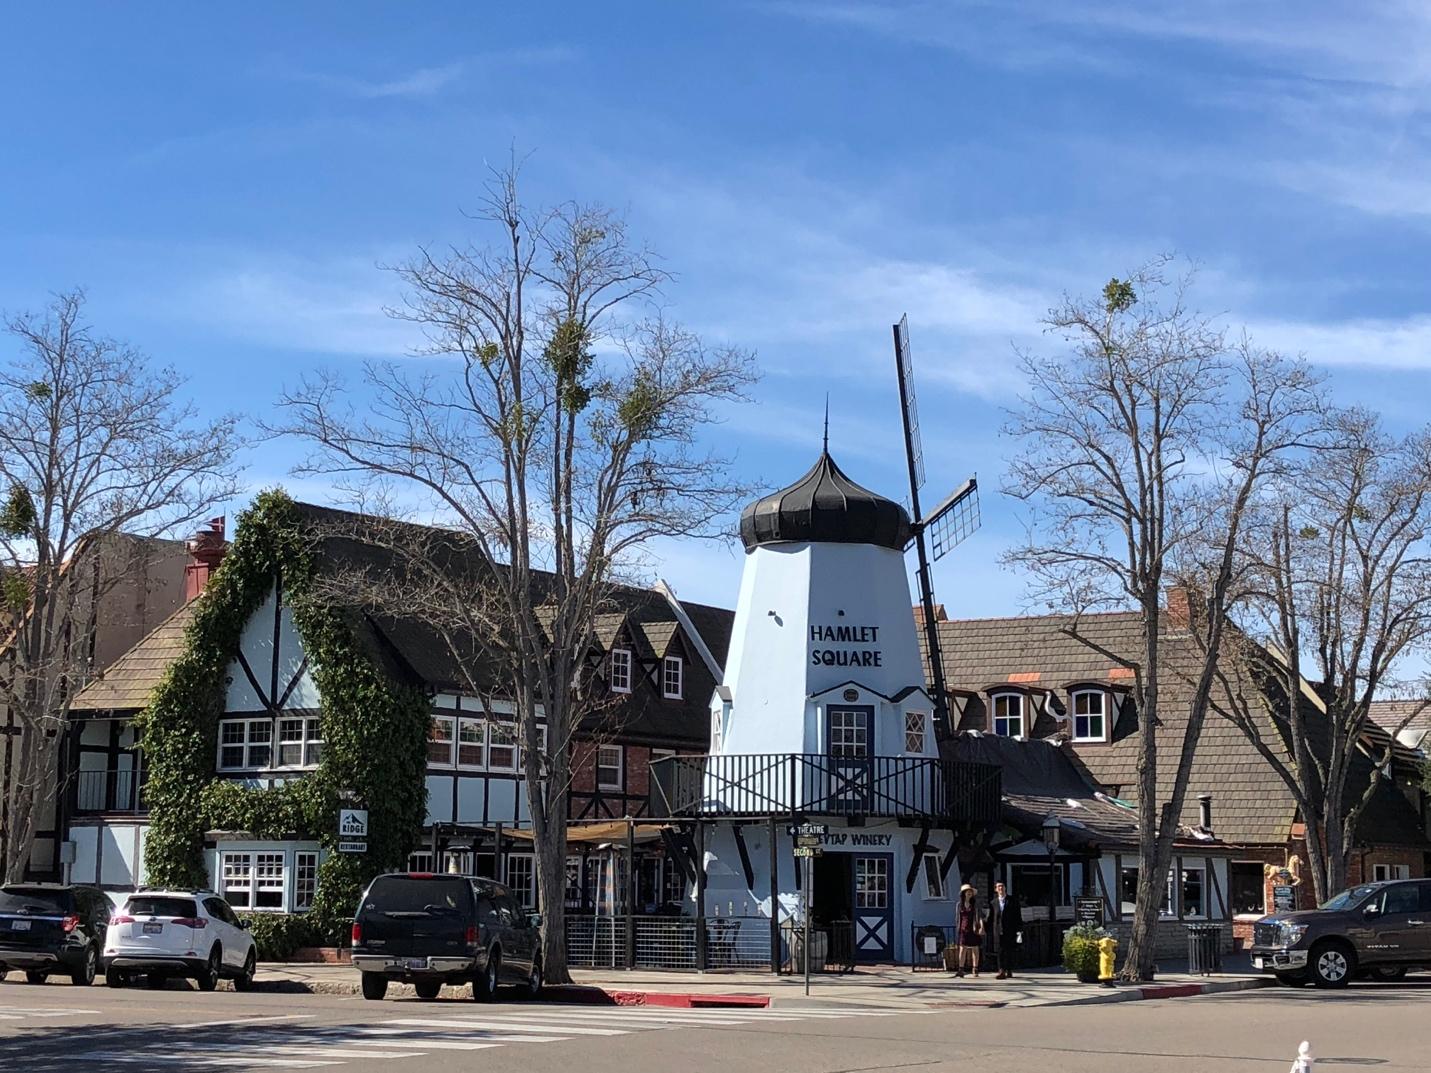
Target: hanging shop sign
x=353 y=830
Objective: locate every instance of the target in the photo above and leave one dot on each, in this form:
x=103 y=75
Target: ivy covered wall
x=374 y=729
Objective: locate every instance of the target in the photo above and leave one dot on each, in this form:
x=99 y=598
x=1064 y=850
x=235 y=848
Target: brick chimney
x=1181 y=599
x=206 y=550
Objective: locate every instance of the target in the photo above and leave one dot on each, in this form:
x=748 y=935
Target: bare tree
x=1142 y=448
x=1343 y=586
x=560 y=443
x=96 y=444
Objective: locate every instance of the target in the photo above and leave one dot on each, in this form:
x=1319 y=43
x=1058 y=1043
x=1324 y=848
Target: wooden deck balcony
x=812 y=784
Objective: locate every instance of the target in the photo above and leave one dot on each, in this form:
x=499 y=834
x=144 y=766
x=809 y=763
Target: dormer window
x=620 y=675
x=1090 y=718
x=1009 y=715
x=672 y=677
x=914 y=733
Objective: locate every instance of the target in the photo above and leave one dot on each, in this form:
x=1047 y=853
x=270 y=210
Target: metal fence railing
x=927 y=945
x=673 y=942
x=832 y=947
x=120 y=790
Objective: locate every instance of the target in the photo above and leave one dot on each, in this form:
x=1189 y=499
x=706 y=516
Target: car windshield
x=409 y=894
x=29 y=900
x=1349 y=898
x=146 y=906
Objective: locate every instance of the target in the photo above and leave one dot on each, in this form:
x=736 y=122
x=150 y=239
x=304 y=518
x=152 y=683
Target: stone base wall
x=1172 y=939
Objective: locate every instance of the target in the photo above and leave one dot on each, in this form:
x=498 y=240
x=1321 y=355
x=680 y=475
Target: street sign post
x=809 y=851
x=808 y=840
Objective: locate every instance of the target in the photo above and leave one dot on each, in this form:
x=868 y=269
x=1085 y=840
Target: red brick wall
x=1361 y=868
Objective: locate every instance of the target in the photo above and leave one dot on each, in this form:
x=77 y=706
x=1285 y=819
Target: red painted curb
x=598 y=996
x=1173 y=990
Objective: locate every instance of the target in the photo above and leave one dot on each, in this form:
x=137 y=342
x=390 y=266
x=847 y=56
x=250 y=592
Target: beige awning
x=606 y=831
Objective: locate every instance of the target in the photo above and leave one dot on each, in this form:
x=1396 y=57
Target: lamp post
x=1052 y=836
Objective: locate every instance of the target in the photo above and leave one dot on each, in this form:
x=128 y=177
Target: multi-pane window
x=245 y=744
x=440 y=734
x=300 y=741
x=305 y=880
x=501 y=746
x=672 y=674
x=573 y=882
x=609 y=762
x=849 y=733
x=268 y=880
x=1089 y=718
x=521 y=878
x=237 y=879
x=1382 y=872
x=1194 y=892
x=420 y=862
x=871 y=882
x=914 y=732
x=472 y=743
x=620 y=670
x=673 y=882
x=1009 y=715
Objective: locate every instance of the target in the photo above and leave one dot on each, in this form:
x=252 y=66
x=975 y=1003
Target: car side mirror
x=1372 y=910
x=534 y=920
x=243 y=924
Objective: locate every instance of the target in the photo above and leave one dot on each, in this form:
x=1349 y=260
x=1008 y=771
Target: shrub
x=1080 y=949
x=279 y=935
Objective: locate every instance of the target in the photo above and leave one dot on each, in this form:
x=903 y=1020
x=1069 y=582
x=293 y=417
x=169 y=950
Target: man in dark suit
x=1002 y=924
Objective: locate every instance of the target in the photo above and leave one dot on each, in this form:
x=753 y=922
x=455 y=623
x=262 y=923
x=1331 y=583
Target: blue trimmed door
x=874 y=906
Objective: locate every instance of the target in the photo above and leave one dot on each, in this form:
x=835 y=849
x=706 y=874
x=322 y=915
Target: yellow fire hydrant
x=1107 y=956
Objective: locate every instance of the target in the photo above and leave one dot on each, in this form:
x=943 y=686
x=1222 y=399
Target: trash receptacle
x=1204 y=949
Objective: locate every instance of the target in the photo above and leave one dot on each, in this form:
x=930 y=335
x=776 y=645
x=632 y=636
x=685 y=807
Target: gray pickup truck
x=1380 y=930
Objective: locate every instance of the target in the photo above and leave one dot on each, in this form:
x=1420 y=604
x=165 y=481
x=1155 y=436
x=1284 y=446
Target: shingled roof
x=126 y=684
x=1037 y=655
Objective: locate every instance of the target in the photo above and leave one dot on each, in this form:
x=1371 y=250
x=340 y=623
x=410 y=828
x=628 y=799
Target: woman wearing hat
x=969 y=930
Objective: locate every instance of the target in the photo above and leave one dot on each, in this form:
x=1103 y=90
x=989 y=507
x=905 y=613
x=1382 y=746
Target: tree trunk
x=551 y=889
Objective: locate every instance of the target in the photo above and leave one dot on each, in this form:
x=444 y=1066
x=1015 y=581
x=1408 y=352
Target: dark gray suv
x=1381 y=930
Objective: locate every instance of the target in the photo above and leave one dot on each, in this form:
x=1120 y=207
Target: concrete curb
x=574 y=994
x=1124 y=993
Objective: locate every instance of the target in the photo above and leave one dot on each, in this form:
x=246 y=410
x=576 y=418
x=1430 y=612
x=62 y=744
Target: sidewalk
x=875 y=986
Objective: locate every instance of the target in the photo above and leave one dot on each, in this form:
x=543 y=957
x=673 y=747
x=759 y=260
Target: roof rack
x=151 y=888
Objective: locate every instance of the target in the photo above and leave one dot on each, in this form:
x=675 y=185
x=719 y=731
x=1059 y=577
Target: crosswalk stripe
x=455 y=1028
x=673 y=1017
x=511 y=1026
x=152 y=1058
x=433 y=1044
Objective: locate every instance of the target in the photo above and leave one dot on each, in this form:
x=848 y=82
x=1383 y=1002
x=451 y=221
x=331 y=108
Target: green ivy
x=374 y=729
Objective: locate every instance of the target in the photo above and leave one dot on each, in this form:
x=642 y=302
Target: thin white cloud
x=430 y=81
x=1396 y=344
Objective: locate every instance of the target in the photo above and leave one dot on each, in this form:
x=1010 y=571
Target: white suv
x=161 y=933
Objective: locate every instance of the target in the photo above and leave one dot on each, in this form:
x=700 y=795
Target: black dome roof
x=826 y=507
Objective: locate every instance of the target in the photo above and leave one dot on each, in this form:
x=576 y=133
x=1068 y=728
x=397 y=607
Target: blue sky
x=224 y=182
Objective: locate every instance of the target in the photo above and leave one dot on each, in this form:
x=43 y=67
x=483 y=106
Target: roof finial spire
x=826 y=447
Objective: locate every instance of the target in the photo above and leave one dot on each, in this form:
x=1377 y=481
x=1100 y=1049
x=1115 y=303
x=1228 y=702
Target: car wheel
x=484 y=985
x=533 y=986
x=427 y=989
x=1291 y=979
x=374 y=986
x=208 y=977
x=1331 y=965
x=154 y=981
x=84 y=977
x=244 y=980
x=115 y=978
x=1389 y=973
x=36 y=977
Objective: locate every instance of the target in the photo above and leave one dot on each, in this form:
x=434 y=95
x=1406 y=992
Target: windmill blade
x=904 y=364
x=954 y=520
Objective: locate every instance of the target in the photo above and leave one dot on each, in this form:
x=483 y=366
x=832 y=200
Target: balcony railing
x=763 y=784
x=110 y=791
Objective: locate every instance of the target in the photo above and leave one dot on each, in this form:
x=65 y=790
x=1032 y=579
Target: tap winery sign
x=845 y=646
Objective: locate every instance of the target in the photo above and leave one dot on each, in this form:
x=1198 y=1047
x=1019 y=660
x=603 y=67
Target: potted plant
x=1080 y=951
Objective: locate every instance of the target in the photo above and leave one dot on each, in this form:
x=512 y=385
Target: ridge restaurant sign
x=845 y=655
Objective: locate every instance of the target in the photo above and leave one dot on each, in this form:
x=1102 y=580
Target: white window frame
x=420 y=861
x=449 y=721
x=305 y=875
x=995 y=719
x=242 y=869
x=525 y=891
x=934 y=887
x=619 y=767
x=494 y=727
x=916 y=723
x=481 y=727
x=673 y=677
x=248 y=745
x=1101 y=716
x=1382 y=873
x=310 y=743
x=849 y=741
x=620 y=665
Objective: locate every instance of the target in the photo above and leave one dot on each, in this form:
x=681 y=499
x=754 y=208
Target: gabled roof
x=1409 y=720
x=125 y=686
x=1251 y=804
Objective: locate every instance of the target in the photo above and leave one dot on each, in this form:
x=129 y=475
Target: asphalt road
x=56 y=1026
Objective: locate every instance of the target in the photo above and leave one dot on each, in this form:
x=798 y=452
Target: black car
x=52 y=928
x=1381 y=930
x=429 y=930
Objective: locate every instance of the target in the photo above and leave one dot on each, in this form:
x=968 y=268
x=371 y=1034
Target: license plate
x=153 y=929
x=19 y=925
x=1257 y=963
x=417 y=963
